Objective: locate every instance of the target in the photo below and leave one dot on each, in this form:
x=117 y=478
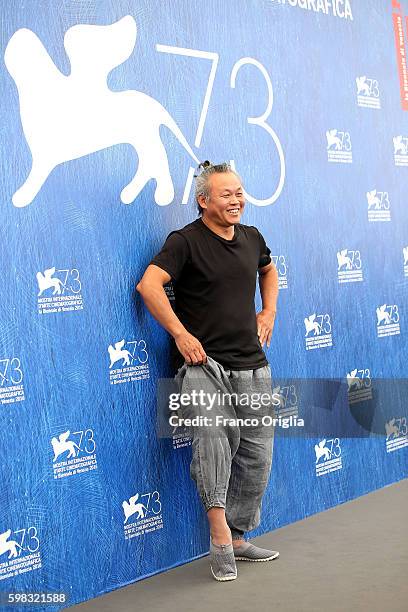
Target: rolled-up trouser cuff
x=215 y=503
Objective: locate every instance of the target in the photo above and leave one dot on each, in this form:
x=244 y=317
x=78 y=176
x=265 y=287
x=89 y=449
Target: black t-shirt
x=214 y=282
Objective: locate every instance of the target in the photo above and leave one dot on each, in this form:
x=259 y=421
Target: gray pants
x=231 y=463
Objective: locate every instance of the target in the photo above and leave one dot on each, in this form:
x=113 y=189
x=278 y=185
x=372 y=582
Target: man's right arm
x=155 y=298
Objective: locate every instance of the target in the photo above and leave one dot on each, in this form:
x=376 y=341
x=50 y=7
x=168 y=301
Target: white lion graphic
x=131 y=507
x=383 y=315
x=322 y=451
x=343 y=260
x=61 y=444
x=373 y=199
x=391 y=429
x=46 y=281
x=333 y=140
x=67 y=117
x=117 y=352
x=399 y=145
x=312 y=325
x=362 y=86
x=7 y=545
x=353 y=380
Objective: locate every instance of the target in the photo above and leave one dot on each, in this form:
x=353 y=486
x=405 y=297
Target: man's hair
x=202 y=186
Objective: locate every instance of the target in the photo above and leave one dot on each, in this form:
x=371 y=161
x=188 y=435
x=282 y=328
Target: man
x=213 y=263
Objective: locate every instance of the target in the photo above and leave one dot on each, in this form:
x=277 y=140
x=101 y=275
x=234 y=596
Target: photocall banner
x=107 y=109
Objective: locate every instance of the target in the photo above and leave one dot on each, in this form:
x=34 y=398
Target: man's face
x=226 y=202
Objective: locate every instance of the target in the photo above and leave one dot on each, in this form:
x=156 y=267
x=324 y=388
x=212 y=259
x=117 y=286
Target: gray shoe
x=222 y=562
x=250 y=552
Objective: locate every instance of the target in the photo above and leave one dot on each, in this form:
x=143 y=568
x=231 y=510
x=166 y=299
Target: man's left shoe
x=250 y=552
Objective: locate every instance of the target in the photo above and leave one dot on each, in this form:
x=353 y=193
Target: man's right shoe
x=222 y=562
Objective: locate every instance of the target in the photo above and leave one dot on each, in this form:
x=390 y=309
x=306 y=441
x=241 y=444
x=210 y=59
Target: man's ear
x=201 y=201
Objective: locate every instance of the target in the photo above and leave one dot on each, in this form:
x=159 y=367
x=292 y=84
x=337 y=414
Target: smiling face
x=226 y=199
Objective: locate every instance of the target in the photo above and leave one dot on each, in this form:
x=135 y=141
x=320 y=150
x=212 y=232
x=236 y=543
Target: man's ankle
x=221 y=537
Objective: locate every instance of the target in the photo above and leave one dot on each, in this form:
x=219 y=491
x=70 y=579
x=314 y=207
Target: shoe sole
x=225 y=579
x=257 y=560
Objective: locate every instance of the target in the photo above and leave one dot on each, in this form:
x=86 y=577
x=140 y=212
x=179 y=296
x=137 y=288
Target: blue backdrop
x=106 y=109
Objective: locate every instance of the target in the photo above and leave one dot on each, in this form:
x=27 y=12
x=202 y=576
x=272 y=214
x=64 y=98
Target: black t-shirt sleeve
x=173 y=255
x=264 y=252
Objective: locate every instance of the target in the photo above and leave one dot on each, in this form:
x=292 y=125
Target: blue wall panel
x=305 y=98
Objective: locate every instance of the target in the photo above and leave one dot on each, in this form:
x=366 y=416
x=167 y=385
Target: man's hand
x=265 y=321
x=191 y=348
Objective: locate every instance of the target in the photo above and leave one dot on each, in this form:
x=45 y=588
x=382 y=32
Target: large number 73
x=260 y=121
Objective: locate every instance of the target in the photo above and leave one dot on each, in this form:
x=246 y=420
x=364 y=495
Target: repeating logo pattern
x=339 y=148
x=74 y=453
x=59 y=290
x=378 y=205
x=396 y=434
x=280 y=264
x=349 y=266
x=318 y=331
x=328 y=456
x=368 y=92
x=19 y=551
x=131 y=363
x=288 y=400
x=387 y=320
x=142 y=514
x=11 y=381
x=400 y=150
x=359 y=385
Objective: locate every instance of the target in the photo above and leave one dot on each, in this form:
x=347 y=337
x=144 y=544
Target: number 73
x=260 y=121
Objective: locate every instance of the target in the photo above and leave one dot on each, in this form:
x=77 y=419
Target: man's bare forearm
x=159 y=306
x=269 y=289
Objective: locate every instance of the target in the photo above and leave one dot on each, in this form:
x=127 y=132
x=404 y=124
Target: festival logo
x=378 y=205
x=59 y=290
x=400 y=150
x=328 y=456
x=288 y=400
x=142 y=514
x=318 y=331
x=387 y=320
x=359 y=385
x=368 y=93
x=396 y=434
x=19 y=552
x=349 y=266
x=130 y=359
x=339 y=147
x=279 y=262
x=11 y=381
x=74 y=453
x=68 y=117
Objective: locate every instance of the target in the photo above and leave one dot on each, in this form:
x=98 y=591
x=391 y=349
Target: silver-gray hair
x=202 y=186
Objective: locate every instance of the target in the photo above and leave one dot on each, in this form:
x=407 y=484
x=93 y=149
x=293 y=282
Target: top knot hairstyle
x=202 y=186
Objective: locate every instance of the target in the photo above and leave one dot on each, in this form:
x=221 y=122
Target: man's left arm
x=269 y=289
